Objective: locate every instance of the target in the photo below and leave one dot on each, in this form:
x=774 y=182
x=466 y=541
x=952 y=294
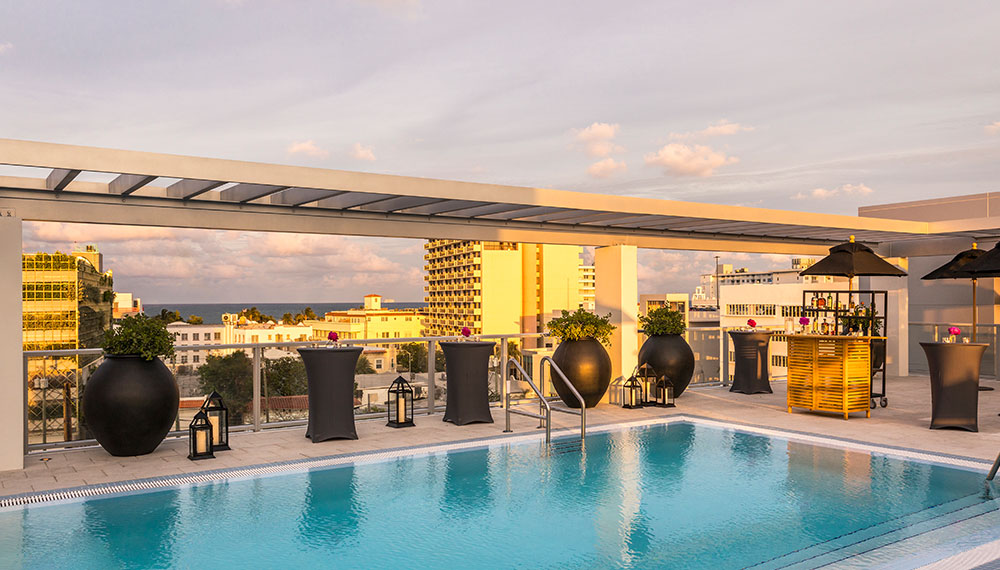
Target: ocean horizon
x=212 y=312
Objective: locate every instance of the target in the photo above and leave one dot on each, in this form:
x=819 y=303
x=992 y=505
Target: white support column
x=617 y=292
x=12 y=388
x=897 y=346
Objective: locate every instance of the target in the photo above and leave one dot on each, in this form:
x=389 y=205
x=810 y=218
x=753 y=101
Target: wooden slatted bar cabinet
x=829 y=373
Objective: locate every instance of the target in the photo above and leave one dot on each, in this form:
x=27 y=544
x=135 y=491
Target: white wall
x=12 y=388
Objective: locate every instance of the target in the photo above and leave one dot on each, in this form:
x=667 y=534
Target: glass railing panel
x=55 y=386
x=226 y=371
x=284 y=390
x=704 y=342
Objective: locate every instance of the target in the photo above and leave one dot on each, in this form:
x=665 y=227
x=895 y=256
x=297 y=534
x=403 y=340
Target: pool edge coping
x=69 y=494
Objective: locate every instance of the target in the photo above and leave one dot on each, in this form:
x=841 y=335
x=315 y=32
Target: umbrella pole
x=975 y=309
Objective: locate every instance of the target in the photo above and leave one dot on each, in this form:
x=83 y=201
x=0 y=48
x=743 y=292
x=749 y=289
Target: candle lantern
x=200 y=438
x=632 y=393
x=400 y=403
x=218 y=416
x=664 y=393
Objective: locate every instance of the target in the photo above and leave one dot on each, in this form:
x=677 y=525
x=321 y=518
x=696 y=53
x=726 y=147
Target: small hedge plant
x=581 y=325
x=662 y=321
x=139 y=335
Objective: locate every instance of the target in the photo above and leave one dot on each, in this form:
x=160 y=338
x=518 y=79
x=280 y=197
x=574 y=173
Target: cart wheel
x=873 y=403
x=884 y=402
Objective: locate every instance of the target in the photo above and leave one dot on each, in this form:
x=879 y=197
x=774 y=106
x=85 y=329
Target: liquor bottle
x=829 y=300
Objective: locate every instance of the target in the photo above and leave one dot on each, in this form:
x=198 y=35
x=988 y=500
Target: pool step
x=887 y=542
x=563 y=446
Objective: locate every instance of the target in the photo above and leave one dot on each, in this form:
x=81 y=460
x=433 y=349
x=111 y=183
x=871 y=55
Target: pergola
x=64 y=183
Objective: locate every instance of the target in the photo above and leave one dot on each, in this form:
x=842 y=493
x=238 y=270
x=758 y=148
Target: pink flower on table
x=332 y=337
x=954 y=331
x=466 y=332
x=751 y=323
x=804 y=321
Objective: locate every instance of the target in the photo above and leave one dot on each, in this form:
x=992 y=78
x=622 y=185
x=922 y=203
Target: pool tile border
x=16 y=502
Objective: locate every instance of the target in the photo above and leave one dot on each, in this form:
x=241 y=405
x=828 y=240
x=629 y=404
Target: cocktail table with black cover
x=954 y=372
x=752 y=370
x=468 y=368
x=330 y=375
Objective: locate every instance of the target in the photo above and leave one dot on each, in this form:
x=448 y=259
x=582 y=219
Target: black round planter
x=670 y=356
x=587 y=366
x=467 y=365
x=130 y=403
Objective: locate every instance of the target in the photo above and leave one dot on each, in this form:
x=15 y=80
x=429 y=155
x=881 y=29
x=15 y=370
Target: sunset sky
x=791 y=105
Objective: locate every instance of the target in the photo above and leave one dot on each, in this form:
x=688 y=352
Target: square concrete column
x=617 y=292
x=12 y=388
x=897 y=345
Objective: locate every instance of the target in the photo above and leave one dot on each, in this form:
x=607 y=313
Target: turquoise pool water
x=678 y=495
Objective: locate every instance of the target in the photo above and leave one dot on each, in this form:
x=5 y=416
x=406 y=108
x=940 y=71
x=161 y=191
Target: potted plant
x=665 y=349
x=467 y=369
x=581 y=356
x=131 y=400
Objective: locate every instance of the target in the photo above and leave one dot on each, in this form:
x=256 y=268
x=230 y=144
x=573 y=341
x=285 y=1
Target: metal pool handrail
x=993 y=470
x=547 y=417
x=582 y=412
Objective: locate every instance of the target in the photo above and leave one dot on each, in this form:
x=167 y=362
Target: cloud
x=685 y=160
x=823 y=193
x=993 y=129
x=362 y=152
x=6 y=47
x=410 y=9
x=607 y=167
x=598 y=139
x=308 y=148
x=717 y=129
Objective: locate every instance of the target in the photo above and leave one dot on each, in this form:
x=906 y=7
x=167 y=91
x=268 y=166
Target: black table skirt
x=468 y=368
x=330 y=374
x=752 y=370
x=954 y=372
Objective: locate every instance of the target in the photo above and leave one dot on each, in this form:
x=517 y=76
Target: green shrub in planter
x=581 y=325
x=662 y=321
x=139 y=335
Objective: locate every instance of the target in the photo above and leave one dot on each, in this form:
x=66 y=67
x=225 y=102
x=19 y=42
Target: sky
x=807 y=106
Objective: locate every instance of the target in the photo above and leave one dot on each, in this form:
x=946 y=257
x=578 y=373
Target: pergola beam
x=59 y=178
x=126 y=184
x=187 y=189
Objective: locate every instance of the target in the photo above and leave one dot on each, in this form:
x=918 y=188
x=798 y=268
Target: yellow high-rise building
x=499 y=287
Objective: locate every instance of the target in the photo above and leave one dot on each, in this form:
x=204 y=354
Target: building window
x=195 y=358
x=378 y=364
x=184 y=336
x=184 y=360
x=195 y=336
x=218 y=336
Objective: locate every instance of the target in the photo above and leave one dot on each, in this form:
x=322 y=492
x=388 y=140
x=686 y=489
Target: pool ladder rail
x=545 y=405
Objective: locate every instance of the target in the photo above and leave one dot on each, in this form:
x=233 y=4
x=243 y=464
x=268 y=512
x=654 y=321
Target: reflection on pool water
x=678 y=495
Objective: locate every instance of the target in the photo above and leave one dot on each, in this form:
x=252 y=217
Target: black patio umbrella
x=852 y=259
x=960 y=268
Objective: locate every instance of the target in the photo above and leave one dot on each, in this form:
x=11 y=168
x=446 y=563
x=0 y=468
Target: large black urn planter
x=130 y=403
x=587 y=366
x=467 y=366
x=670 y=356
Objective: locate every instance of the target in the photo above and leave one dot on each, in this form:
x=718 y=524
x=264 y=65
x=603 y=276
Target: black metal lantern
x=663 y=393
x=200 y=438
x=400 y=403
x=632 y=391
x=218 y=416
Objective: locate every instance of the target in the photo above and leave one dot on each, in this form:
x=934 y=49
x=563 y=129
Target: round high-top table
x=330 y=375
x=468 y=368
x=954 y=372
x=752 y=367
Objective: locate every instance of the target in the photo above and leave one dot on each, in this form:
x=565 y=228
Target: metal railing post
x=256 y=387
x=502 y=372
x=996 y=355
x=25 y=384
x=724 y=356
x=431 y=388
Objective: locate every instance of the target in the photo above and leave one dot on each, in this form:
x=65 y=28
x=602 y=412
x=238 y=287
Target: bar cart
x=852 y=313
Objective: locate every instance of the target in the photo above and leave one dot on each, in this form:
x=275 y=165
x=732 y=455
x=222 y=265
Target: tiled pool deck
x=904 y=424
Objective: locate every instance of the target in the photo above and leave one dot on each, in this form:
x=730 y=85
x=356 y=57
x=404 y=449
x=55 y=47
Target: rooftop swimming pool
x=681 y=494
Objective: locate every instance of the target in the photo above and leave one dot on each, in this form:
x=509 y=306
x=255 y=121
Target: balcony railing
x=267 y=388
